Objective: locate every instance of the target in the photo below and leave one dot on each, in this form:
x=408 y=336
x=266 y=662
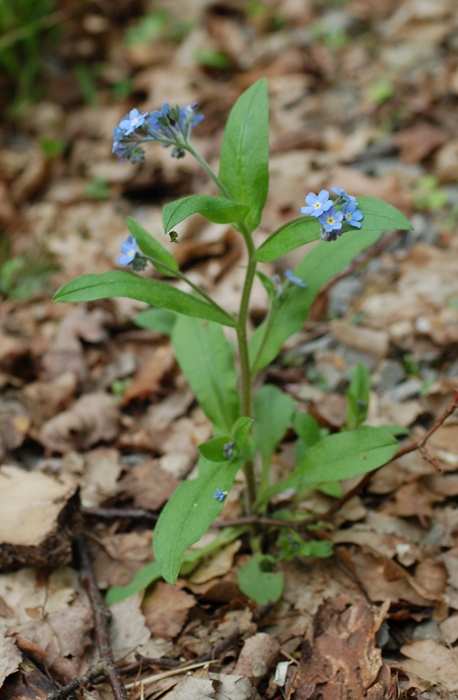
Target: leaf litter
x=361 y=93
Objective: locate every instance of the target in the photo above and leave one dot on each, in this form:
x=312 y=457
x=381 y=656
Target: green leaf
x=213 y=449
x=244 y=156
x=381 y=216
x=151 y=247
x=218 y=210
x=118 y=283
x=240 y=431
x=292 y=235
x=306 y=428
x=189 y=513
x=340 y=456
x=207 y=360
x=159 y=320
x=142 y=579
x=273 y=410
x=150 y=573
x=358 y=397
x=258 y=584
x=289 y=316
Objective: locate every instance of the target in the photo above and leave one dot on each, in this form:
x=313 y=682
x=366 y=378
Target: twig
x=93 y=673
x=109 y=513
x=100 y=617
x=418 y=445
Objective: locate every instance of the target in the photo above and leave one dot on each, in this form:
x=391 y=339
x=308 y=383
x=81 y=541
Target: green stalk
x=242 y=339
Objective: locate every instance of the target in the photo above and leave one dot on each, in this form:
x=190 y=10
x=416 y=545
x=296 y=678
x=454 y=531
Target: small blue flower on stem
x=132 y=121
x=129 y=250
x=220 y=495
x=318 y=203
x=294 y=280
x=343 y=195
x=331 y=220
x=352 y=215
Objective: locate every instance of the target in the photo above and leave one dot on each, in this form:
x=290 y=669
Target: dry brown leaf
x=148 y=379
x=116 y=558
x=372 y=342
x=93 y=418
x=63 y=636
x=148 y=485
x=10 y=658
x=418 y=142
x=431 y=662
x=342 y=655
x=129 y=633
x=413 y=500
x=99 y=482
x=218 y=565
x=166 y=610
x=45 y=399
x=66 y=352
x=257 y=656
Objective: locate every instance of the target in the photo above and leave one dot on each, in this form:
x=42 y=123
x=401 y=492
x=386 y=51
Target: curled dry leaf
x=257 y=656
x=60 y=639
x=10 y=658
x=93 y=418
x=148 y=485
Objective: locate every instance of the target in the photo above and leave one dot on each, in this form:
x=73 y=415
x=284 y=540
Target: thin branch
x=109 y=513
x=418 y=445
x=101 y=616
x=78 y=683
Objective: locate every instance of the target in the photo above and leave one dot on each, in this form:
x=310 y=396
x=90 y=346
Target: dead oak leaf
x=431 y=662
x=148 y=485
x=342 y=654
x=93 y=418
x=166 y=610
x=62 y=638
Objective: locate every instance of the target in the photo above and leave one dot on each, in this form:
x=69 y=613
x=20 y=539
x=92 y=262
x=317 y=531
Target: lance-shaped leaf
x=321 y=263
x=118 y=283
x=244 y=156
x=189 y=513
x=381 y=216
x=151 y=247
x=216 y=209
x=207 y=361
x=340 y=456
x=288 y=237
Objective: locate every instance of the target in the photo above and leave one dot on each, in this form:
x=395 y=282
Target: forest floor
x=96 y=416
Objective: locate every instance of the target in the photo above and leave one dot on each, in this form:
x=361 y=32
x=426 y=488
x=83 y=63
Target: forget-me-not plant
x=249 y=419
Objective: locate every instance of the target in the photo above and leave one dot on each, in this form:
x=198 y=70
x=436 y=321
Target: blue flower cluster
x=170 y=126
x=331 y=220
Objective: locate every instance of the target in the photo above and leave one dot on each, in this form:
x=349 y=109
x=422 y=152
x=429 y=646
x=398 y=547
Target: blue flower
x=331 y=220
x=352 y=215
x=318 y=204
x=129 y=250
x=220 y=495
x=294 y=280
x=132 y=121
x=173 y=123
x=346 y=197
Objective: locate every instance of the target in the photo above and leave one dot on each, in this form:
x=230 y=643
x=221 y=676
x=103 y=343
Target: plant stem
x=242 y=338
x=244 y=358
x=212 y=175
